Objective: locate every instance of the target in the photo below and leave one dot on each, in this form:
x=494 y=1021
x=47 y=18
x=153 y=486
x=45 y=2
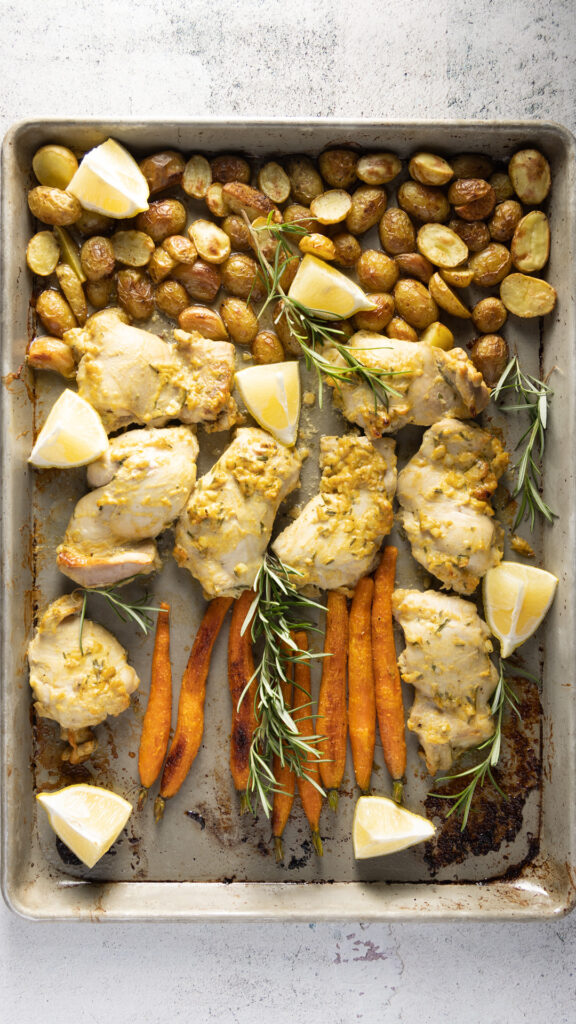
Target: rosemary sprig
x=479 y=773
x=307 y=326
x=535 y=398
x=272 y=618
x=135 y=611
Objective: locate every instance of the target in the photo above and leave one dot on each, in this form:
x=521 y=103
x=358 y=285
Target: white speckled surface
x=359 y=58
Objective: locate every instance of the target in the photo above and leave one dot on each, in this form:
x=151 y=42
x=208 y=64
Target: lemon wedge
x=271 y=393
x=516 y=599
x=326 y=291
x=380 y=826
x=87 y=818
x=109 y=181
x=73 y=435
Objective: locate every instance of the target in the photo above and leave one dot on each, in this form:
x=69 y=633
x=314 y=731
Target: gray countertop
x=416 y=59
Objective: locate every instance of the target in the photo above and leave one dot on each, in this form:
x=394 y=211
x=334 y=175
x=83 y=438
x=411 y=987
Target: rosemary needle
x=272 y=618
x=535 y=396
x=135 y=611
x=307 y=328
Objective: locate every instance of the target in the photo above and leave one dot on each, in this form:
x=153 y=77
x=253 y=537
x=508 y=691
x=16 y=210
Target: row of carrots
x=360 y=650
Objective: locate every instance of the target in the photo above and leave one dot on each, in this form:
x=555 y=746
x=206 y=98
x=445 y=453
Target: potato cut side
x=274 y=182
x=446 y=298
x=331 y=207
x=43 y=253
x=212 y=243
x=197 y=177
x=530 y=246
x=527 y=296
x=441 y=245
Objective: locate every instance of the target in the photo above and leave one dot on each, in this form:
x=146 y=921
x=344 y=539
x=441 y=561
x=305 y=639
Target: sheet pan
x=206 y=861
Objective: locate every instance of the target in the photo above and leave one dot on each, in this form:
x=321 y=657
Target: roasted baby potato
x=163 y=169
x=490 y=355
x=53 y=205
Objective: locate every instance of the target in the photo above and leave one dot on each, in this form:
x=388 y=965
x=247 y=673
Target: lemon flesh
x=380 y=826
x=324 y=290
x=271 y=393
x=88 y=819
x=109 y=181
x=73 y=435
x=516 y=599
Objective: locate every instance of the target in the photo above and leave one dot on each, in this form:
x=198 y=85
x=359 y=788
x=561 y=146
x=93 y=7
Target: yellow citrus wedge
x=326 y=291
x=380 y=826
x=271 y=393
x=87 y=818
x=516 y=599
x=109 y=181
x=73 y=435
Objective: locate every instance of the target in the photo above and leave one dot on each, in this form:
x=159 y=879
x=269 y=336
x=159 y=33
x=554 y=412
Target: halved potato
x=331 y=207
x=430 y=169
x=133 y=248
x=527 y=296
x=530 y=246
x=43 y=253
x=197 y=177
x=438 y=335
x=458 y=277
x=318 y=245
x=446 y=298
x=441 y=245
x=274 y=182
x=212 y=243
x=529 y=173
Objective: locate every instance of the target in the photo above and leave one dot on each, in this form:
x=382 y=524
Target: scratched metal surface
x=204 y=858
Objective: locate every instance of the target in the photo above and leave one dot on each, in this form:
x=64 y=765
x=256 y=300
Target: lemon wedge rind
x=330 y=294
x=109 y=181
x=381 y=827
x=516 y=599
x=73 y=435
x=271 y=393
x=88 y=819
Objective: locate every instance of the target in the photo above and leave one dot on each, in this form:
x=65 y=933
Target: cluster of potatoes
x=457 y=223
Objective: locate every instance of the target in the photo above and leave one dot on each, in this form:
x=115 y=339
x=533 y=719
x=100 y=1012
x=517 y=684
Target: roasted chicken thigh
x=224 y=530
x=78 y=688
x=133 y=376
x=447 y=661
x=444 y=494
x=335 y=539
x=427 y=384
x=142 y=484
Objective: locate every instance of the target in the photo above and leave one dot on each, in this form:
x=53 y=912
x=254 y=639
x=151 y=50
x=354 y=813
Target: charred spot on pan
x=196 y=816
x=493 y=819
x=301 y=862
x=66 y=855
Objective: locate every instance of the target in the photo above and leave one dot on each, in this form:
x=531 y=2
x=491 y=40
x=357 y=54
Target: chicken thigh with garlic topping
x=447 y=661
x=224 y=531
x=335 y=539
x=426 y=384
x=142 y=484
x=78 y=688
x=133 y=376
x=444 y=494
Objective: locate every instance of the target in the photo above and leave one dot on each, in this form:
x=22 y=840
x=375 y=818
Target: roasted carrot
x=310 y=796
x=285 y=780
x=388 y=689
x=361 y=698
x=190 y=721
x=156 y=725
x=332 y=724
x=240 y=672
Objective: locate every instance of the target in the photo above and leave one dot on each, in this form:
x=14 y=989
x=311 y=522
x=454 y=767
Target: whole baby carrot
x=285 y=779
x=156 y=725
x=332 y=724
x=190 y=722
x=361 y=697
x=387 y=686
x=242 y=691
x=310 y=794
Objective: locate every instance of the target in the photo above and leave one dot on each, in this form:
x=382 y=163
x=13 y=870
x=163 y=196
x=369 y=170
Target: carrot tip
x=367 y=791
x=142 y=798
x=159 y=805
x=398 y=791
x=244 y=803
x=317 y=843
x=278 y=849
x=333 y=799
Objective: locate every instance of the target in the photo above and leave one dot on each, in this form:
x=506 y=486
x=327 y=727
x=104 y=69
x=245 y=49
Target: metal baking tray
x=205 y=861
